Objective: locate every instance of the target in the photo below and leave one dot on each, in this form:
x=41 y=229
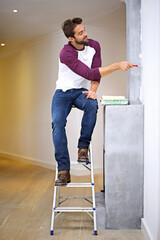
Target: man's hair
x=69 y=25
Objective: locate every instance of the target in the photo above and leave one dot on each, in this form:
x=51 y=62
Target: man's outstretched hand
x=124 y=66
x=90 y=94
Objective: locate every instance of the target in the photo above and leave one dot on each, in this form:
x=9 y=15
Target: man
x=80 y=61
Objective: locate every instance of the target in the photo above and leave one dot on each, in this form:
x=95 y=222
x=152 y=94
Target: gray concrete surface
x=100 y=210
x=124 y=166
x=133 y=33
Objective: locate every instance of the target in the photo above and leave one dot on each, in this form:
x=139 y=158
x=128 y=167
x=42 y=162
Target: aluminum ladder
x=58 y=200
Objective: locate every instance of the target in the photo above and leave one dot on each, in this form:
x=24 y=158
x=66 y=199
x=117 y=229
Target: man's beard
x=82 y=42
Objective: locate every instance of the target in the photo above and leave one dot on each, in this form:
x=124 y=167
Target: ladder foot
x=51 y=232
x=95 y=232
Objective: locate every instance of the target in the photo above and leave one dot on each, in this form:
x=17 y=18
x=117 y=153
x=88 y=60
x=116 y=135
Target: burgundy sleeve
x=69 y=57
x=97 y=62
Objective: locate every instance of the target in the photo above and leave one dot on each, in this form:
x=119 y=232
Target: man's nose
x=85 y=34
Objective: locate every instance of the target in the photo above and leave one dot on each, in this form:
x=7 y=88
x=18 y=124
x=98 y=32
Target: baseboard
x=36 y=162
x=145 y=230
x=75 y=169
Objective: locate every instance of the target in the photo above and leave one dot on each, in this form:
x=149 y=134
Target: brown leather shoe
x=63 y=178
x=83 y=155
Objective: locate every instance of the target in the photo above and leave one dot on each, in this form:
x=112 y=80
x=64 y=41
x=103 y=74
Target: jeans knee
x=58 y=123
x=92 y=105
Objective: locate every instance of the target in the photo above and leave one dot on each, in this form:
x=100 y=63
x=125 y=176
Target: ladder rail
x=93 y=190
x=54 y=205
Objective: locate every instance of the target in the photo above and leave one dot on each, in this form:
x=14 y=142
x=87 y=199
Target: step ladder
x=58 y=200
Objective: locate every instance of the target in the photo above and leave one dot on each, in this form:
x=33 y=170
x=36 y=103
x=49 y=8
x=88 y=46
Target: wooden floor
x=26 y=193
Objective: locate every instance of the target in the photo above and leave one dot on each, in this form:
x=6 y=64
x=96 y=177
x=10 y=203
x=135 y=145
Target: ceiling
x=36 y=18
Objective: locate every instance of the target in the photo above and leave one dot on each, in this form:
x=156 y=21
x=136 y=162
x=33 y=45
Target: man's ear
x=71 y=39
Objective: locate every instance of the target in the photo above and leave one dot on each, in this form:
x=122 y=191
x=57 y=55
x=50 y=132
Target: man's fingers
x=85 y=92
x=90 y=94
x=131 y=65
x=124 y=66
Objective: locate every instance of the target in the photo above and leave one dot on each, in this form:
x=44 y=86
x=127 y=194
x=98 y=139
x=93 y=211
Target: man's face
x=80 y=36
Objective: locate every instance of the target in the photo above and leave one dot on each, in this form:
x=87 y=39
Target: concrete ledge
x=124 y=166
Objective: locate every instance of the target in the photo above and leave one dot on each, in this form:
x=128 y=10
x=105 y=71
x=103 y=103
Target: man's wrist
x=116 y=66
x=94 y=86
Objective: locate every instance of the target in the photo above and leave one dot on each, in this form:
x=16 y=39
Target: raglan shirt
x=78 y=66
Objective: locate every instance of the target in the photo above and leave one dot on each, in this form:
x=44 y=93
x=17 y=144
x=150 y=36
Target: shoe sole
x=62 y=184
x=82 y=161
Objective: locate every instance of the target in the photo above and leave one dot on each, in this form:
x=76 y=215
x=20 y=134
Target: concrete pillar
x=133 y=19
x=124 y=166
x=124 y=141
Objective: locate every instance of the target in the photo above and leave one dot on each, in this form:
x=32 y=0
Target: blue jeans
x=61 y=106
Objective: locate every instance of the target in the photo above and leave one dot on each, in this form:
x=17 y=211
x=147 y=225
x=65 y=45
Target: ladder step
x=79 y=185
x=79 y=163
x=74 y=209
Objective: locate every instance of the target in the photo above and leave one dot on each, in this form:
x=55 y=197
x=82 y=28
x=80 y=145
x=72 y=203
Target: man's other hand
x=90 y=94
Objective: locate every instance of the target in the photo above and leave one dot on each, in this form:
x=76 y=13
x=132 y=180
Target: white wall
x=151 y=100
x=28 y=78
x=27 y=85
